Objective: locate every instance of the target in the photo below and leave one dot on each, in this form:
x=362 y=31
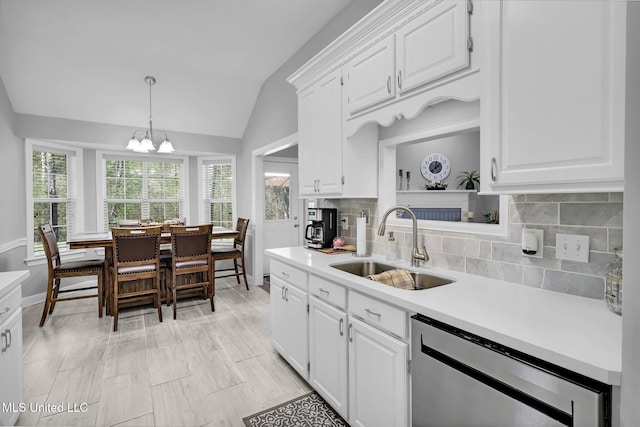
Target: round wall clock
x=435 y=167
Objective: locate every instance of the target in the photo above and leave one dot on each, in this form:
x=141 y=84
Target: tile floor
x=203 y=369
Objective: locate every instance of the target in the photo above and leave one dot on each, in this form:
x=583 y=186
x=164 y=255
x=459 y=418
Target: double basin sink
x=368 y=268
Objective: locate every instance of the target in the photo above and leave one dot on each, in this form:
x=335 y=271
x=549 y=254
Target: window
x=142 y=189
x=51 y=179
x=277 y=190
x=218 y=191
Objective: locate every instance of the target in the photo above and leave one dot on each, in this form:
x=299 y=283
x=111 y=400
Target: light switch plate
x=572 y=247
x=343 y=220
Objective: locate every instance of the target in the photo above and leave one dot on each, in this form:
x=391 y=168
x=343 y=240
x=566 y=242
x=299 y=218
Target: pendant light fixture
x=143 y=141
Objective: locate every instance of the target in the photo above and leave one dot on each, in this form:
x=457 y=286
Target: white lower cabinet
x=289 y=324
x=328 y=354
x=378 y=377
x=11 y=366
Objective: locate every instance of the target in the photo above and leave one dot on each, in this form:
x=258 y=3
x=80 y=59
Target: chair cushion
x=226 y=250
x=137 y=269
x=86 y=265
x=187 y=264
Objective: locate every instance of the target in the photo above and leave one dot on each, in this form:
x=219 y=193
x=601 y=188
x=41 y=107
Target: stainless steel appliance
x=322 y=227
x=460 y=379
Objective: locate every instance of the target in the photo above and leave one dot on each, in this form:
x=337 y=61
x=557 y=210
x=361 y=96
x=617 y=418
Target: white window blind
x=53 y=194
x=217 y=185
x=142 y=189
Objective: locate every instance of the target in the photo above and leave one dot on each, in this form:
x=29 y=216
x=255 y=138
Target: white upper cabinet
x=433 y=46
x=370 y=76
x=553 y=96
x=320 y=133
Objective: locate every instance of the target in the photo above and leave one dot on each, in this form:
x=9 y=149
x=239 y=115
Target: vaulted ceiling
x=87 y=59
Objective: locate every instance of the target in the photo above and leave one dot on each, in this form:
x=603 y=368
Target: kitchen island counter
x=576 y=333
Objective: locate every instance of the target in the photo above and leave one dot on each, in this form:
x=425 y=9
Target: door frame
x=257 y=194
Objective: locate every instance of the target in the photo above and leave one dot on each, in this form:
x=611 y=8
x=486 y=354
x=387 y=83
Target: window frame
x=101 y=182
x=202 y=160
x=75 y=185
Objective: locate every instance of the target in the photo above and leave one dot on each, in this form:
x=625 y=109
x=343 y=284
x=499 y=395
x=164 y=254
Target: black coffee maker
x=322 y=227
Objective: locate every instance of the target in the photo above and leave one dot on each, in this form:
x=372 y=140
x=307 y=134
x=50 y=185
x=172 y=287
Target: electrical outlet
x=344 y=221
x=572 y=247
x=532 y=242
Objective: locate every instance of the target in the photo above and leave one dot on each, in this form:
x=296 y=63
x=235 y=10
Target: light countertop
x=10 y=279
x=573 y=332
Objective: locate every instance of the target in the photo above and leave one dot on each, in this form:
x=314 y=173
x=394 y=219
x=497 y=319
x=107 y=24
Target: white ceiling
x=86 y=59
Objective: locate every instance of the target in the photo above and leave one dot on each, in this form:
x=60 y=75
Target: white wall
x=275 y=113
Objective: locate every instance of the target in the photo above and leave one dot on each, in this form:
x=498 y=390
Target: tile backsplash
x=597 y=215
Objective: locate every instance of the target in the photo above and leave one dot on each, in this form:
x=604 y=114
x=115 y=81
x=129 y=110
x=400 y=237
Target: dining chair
x=191 y=262
x=136 y=258
x=59 y=270
x=234 y=252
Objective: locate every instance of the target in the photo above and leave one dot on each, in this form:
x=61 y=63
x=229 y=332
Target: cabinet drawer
x=289 y=274
x=328 y=291
x=10 y=303
x=379 y=314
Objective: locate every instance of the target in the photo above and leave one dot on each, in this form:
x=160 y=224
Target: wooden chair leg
x=54 y=296
x=244 y=273
x=47 y=301
x=158 y=302
x=235 y=265
x=175 y=301
x=115 y=306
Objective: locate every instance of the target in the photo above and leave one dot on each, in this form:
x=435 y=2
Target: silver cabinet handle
x=6 y=310
x=389 y=84
x=494 y=169
x=3 y=337
x=400 y=79
x=324 y=291
x=350 y=328
x=340 y=327
x=285 y=274
x=282 y=293
x=286 y=294
x=8 y=334
x=373 y=313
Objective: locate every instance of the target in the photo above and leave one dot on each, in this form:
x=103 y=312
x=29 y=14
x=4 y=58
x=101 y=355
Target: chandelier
x=142 y=141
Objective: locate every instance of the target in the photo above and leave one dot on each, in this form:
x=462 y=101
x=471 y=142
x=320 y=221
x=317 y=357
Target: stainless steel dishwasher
x=460 y=379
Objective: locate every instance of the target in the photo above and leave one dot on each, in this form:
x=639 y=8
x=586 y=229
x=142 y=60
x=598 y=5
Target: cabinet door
x=378 y=377
x=555 y=101
x=329 y=143
x=11 y=368
x=328 y=354
x=279 y=316
x=309 y=148
x=370 y=76
x=297 y=329
x=433 y=45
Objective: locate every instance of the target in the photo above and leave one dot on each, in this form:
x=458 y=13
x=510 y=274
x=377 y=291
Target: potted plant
x=468 y=180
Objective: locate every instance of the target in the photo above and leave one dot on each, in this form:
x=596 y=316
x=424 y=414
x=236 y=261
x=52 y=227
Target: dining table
x=97 y=240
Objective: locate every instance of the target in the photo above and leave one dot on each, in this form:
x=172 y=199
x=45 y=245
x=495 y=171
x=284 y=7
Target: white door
x=281 y=206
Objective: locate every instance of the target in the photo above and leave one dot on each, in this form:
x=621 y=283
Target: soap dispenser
x=393 y=249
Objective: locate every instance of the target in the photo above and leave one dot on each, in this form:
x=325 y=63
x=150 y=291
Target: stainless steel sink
x=367 y=268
